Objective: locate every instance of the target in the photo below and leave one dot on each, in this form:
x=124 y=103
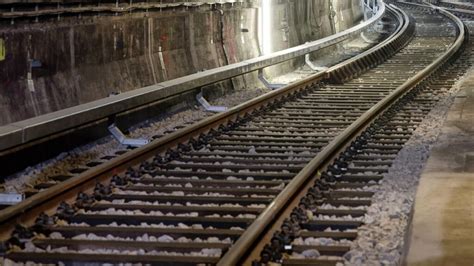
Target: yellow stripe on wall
x=2 y=50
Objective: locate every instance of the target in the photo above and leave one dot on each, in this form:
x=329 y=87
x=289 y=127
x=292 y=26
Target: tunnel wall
x=77 y=60
x=297 y=22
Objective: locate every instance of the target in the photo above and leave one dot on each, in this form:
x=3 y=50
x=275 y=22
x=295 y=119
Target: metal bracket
x=11 y=198
x=267 y=84
x=115 y=131
x=210 y=108
x=367 y=40
x=312 y=65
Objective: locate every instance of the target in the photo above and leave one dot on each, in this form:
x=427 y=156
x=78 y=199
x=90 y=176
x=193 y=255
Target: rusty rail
x=247 y=241
x=158 y=146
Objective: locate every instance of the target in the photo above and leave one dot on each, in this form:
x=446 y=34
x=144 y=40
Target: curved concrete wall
x=80 y=60
x=295 y=22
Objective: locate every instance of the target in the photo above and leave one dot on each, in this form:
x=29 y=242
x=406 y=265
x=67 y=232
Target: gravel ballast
x=63 y=163
x=25 y=180
x=382 y=240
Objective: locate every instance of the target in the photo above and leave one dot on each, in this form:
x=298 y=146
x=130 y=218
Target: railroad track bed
x=191 y=204
x=465 y=12
x=389 y=157
x=32 y=180
x=36 y=178
x=457 y=5
x=375 y=215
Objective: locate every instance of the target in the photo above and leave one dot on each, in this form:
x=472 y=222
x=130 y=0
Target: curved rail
x=371 y=57
x=240 y=248
x=246 y=241
x=459 y=11
x=457 y=5
x=161 y=145
x=71 y=186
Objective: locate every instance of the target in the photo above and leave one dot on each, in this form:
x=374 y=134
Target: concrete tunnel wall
x=296 y=22
x=88 y=58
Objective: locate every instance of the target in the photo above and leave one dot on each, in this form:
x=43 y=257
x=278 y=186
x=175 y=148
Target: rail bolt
x=159 y=160
x=231 y=125
x=223 y=128
x=277 y=248
x=172 y=155
x=184 y=148
x=321 y=184
x=83 y=200
x=20 y=236
x=147 y=167
x=22 y=232
x=266 y=254
x=132 y=173
x=341 y=164
x=119 y=180
x=287 y=228
x=65 y=211
x=197 y=145
x=306 y=202
x=328 y=177
x=43 y=222
x=101 y=191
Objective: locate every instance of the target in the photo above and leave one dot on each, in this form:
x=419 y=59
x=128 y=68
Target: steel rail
x=243 y=111
x=166 y=141
x=23 y=132
x=156 y=146
x=277 y=97
x=456 y=5
x=461 y=12
x=393 y=43
x=248 y=238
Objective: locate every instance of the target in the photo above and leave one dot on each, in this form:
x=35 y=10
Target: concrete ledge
x=22 y=132
x=105 y=8
x=157 y=3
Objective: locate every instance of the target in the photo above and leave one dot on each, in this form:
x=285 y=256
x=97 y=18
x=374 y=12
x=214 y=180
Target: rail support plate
x=267 y=84
x=367 y=40
x=115 y=131
x=311 y=65
x=11 y=198
x=210 y=108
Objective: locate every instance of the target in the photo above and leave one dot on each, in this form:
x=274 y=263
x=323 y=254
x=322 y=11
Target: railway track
x=324 y=222
x=467 y=16
x=462 y=11
x=212 y=192
x=457 y=5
